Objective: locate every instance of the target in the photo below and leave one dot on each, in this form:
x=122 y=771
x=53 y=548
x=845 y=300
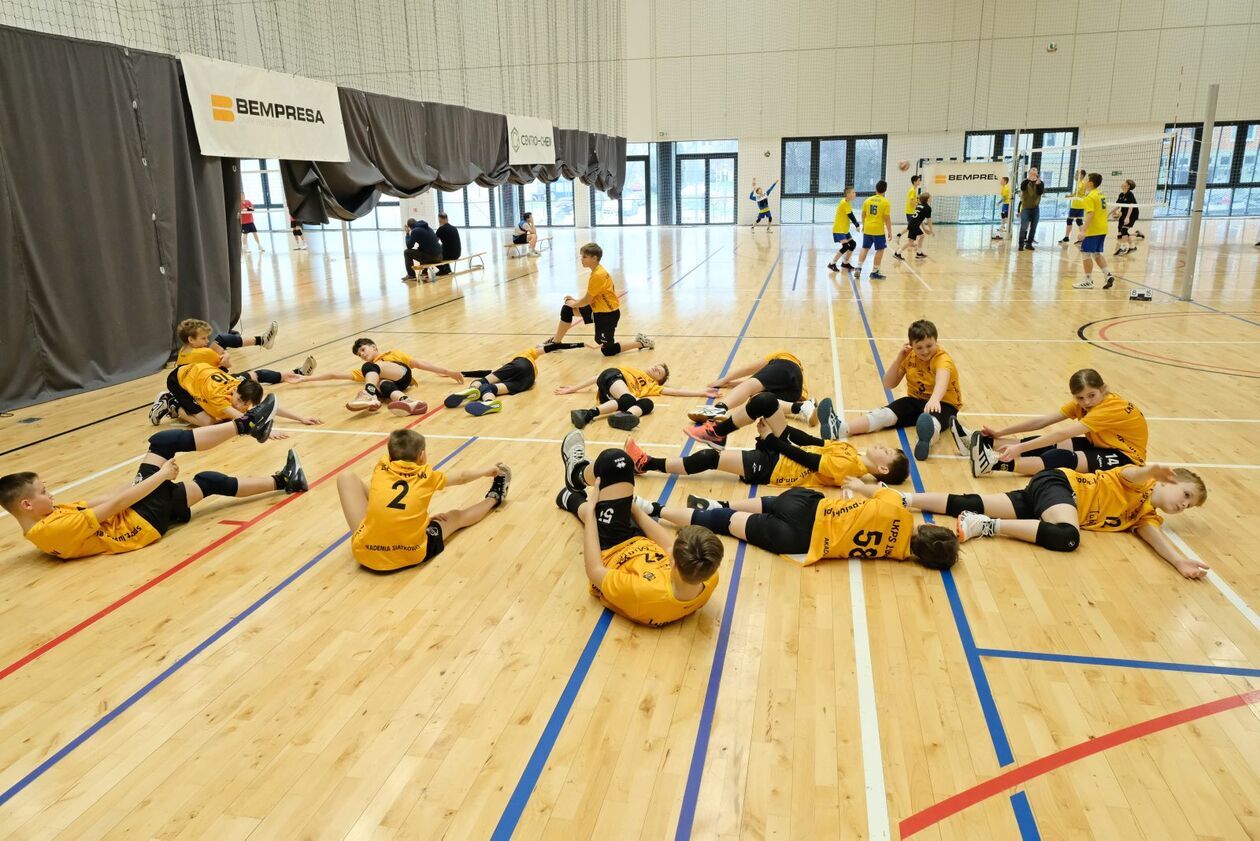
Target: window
x=632 y=207
x=817 y=169
x=1233 y=174
x=1052 y=150
x=551 y=204
x=471 y=207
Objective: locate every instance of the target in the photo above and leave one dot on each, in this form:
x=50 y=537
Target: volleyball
x=903 y=165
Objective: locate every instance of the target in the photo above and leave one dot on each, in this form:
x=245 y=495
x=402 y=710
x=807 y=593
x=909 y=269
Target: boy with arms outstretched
x=626 y=393
x=390 y=518
x=385 y=376
x=517 y=375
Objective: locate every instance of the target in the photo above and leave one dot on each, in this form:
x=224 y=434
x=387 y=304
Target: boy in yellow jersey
x=517 y=375
x=390 y=518
x=780 y=373
x=912 y=199
x=208 y=395
x=1055 y=504
x=1076 y=207
x=600 y=306
x=623 y=549
x=1106 y=432
x=785 y=456
x=1006 y=207
x=139 y=513
x=385 y=375
x=876 y=224
x=933 y=395
x=626 y=394
x=1095 y=241
x=841 y=229
x=807 y=527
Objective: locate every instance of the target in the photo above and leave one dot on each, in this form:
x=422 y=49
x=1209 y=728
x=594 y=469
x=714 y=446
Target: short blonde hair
x=190 y=328
x=405 y=445
x=1192 y=478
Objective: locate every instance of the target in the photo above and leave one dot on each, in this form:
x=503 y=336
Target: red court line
x=1036 y=768
x=200 y=553
x=1102 y=335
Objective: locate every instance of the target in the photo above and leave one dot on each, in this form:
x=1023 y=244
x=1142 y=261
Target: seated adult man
x=422 y=246
x=452 y=248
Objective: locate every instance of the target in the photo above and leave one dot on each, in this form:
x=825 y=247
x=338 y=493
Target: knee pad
x=613 y=466
x=488 y=390
x=215 y=484
x=386 y=388
x=881 y=418
x=168 y=442
x=716 y=520
x=955 y=504
x=645 y=405
x=1058 y=537
x=701 y=460
x=228 y=340
x=762 y=405
x=566 y=314
x=370 y=368
x=610 y=348
x=1055 y=457
x=268 y=377
x=625 y=402
x=850 y=245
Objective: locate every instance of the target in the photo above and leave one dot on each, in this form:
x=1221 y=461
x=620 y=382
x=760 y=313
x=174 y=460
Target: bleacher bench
x=428 y=271
x=522 y=249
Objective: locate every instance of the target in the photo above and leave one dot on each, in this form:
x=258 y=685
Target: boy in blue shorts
x=876 y=223
x=1095 y=207
x=762 y=198
x=841 y=231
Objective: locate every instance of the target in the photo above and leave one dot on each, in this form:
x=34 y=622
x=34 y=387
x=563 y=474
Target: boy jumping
x=762 y=198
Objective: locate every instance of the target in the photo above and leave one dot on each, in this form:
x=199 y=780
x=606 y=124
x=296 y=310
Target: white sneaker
x=642 y=504
x=307 y=367
x=1087 y=283
x=982 y=456
x=645 y=341
x=158 y=410
x=809 y=413
x=962 y=437
x=269 y=338
x=970 y=524
x=708 y=411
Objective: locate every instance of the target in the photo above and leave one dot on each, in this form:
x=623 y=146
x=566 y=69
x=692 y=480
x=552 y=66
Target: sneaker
x=637 y=455
x=832 y=267
x=477 y=408
x=364 y=402
x=997 y=236
x=961 y=435
x=878 y=275
x=707 y=412
x=573 y=454
x=406 y=408
x=159 y=409
x=1064 y=241
x=925 y=428
x=982 y=456
x=1087 y=283
x=920 y=255
x=453 y=401
x=847 y=265
x=970 y=524
x=702 y=503
x=624 y=421
x=269 y=338
x=499 y=485
x=857 y=273
x=307 y=367
x=1119 y=252
x=828 y=420
x=256 y=423
x=897 y=255
x=172 y=407
x=809 y=413
x=1029 y=247
x=706 y=433
x=645 y=341
x=1111 y=281
x=581 y=417
x=293 y=475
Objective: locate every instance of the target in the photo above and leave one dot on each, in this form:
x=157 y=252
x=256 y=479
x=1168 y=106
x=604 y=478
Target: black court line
x=1080 y=332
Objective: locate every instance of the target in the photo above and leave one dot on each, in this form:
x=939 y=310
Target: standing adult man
x=422 y=246
x=448 y=235
x=1030 y=190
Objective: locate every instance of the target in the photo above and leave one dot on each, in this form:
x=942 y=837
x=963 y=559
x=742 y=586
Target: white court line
x=1228 y=592
x=877 y=824
x=905 y=262
x=87 y=479
x=1148 y=417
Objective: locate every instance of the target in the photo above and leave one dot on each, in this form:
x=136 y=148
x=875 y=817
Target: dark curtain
x=112 y=224
x=401 y=148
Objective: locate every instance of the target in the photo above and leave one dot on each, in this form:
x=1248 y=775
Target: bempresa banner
x=955 y=178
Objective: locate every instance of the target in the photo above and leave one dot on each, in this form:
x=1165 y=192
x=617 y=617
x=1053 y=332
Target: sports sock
x=725 y=426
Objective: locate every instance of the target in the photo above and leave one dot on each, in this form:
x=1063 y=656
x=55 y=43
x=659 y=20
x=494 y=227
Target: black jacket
x=451 y=246
x=422 y=238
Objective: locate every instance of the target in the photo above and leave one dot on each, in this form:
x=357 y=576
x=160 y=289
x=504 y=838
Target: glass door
x=632 y=208
x=721 y=191
x=705 y=193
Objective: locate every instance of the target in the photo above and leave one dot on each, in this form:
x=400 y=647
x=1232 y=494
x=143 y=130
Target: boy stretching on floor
x=780 y=374
x=625 y=393
x=600 y=306
x=206 y=395
x=517 y=375
x=385 y=375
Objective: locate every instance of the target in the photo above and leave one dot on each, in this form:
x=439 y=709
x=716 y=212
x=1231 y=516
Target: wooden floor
x=245 y=679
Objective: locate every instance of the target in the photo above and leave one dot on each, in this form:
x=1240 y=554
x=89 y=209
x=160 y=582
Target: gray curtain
x=399 y=147
x=112 y=224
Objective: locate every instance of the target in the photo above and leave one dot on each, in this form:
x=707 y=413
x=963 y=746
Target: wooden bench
x=428 y=271
x=513 y=246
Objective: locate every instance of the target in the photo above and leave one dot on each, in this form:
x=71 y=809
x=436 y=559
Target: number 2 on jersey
x=397 y=502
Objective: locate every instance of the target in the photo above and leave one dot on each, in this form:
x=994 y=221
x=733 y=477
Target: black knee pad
x=955 y=504
x=566 y=314
x=625 y=402
x=645 y=405
x=763 y=405
x=849 y=245
x=614 y=466
x=386 y=388
x=370 y=368
x=716 y=520
x=1056 y=457
x=168 y=442
x=610 y=348
x=215 y=484
x=268 y=377
x=701 y=460
x=1058 y=537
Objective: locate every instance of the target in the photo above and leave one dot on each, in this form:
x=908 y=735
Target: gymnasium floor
x=244 y=678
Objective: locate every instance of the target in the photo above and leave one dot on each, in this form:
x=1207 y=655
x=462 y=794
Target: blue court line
x=1024 y=818
x=135 y=697
x=692 y=269
x=547 y=740
x=695 y=773
x=798 y=269
x=1084 y=660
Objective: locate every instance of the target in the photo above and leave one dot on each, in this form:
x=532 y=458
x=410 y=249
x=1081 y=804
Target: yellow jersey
x=1095 y=203
x=842 y=224
x=921 y=376
x=912 y=200
x=395 y=356
x=207 y=356
x=72 y=531
x=601 y=291
x=392 y=534
x=639 y=383
x=1115 y=424
x=1078 y=194
x=783 y=354
x=874 y=210
x=211 y=387
x=638 y=584
x=1006 y=194
x=1106 y=501
x=879 y=527
x=838 y=461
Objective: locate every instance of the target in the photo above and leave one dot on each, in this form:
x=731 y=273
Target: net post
x=1012 y=224
x=1200 y=187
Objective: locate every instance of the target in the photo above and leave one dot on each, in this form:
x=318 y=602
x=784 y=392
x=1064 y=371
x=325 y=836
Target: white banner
x=248 y=112
x=530 y=141
x=954 y=178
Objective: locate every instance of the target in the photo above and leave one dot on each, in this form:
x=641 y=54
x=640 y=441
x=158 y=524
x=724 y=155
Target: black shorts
x=249 y=228
x=604 y=383
x=758 y=466
x=606 y=326
x=520 y=240
x=165 y=506
x=914 y=232
x=1099 y=458
x=782 y=378
x=404 y=382
x=518 y=375
x=187 y=403
x=1043 y=491
x=786 y=521
x=908 y=409
x=614 y=522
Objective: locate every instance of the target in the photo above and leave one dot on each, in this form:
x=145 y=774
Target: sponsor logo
x=520 y=140
x=221 y=108
x=226 y=108
x=942 y=178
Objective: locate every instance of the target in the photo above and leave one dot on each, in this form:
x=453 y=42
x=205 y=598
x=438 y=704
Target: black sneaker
x=581 y=417
x=499 y=486
x=293 y=475
x=1030 y=247
x=624 y=421
x=833 y=267
x=256 y=423
x=925 y=427
x=1064 y=241
x=1111 y=281
x=573 y=454
x=159 y=409
x=828 y=420
x=898 y=256
x=847 y=265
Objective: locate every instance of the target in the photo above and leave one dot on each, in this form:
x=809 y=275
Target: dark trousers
x=1028 y=219
x=415 y=254
x=445 y=268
